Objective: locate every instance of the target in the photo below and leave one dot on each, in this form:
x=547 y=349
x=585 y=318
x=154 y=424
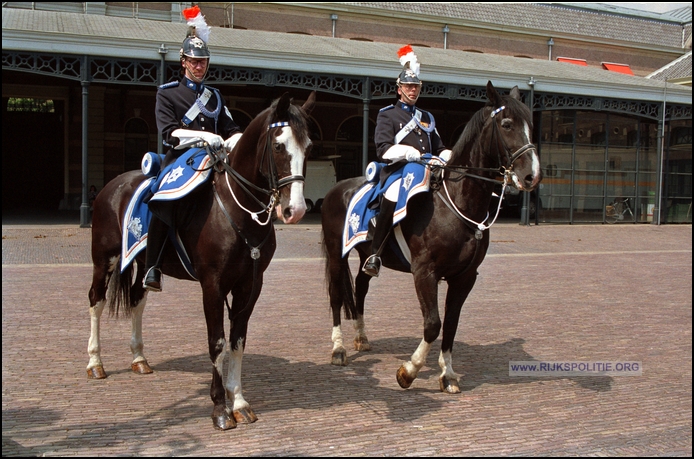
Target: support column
x=525 y=214
x=365 y=125
x=84 y=208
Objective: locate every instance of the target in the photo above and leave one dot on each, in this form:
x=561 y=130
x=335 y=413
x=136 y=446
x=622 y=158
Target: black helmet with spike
x=410 y=72
x=195 y=43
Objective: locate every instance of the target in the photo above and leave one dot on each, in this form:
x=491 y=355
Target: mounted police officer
x=187 y=104
x=403 y=133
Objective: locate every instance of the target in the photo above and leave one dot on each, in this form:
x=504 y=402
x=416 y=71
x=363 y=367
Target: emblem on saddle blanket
x=415 y=179
x=176 y=180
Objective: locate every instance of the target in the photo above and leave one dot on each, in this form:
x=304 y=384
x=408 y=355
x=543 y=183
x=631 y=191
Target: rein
x=221 y=164
x=505 y=171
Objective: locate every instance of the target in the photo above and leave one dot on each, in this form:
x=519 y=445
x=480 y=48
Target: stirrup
x=152 y=280
x=372 y=265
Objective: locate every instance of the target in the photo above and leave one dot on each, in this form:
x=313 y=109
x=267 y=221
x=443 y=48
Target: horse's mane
x=297 y=120
x=514 y=109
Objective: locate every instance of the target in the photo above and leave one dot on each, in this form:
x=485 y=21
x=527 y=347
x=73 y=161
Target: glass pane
x=621 y=158
x=559 y=212
x=588 y=209
x=557 y=126
x=556 y=157
x=591 y=128
x=678 y=177
x=590 y=158
x=589 y=183
x=619 y=130
x=621 y=184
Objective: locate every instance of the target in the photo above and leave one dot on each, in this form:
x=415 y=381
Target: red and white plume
x=406 y=54
x=194 y=18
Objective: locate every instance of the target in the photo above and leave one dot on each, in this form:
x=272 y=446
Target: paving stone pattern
x=571 y=293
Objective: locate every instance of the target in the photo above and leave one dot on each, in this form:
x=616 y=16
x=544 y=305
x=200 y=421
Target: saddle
x=364 y=205
x=179 y=179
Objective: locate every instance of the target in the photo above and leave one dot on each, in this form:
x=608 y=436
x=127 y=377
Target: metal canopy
x=324 y=59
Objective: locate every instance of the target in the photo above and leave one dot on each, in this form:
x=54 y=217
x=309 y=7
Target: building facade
x=85 y=75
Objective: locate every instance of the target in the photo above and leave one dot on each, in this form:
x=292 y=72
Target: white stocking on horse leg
x=339 y=351
x=139 y=364
x=407 y=373
x=361 y=342
x=95 y=369
x=448 y=381
x=242 y=409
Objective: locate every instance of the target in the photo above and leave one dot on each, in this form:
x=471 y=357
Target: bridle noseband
x=501 y=145
x=221 y=164
x=275 y=183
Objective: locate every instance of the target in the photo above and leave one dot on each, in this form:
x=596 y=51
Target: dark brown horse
x=230 y=238
x=445 y=231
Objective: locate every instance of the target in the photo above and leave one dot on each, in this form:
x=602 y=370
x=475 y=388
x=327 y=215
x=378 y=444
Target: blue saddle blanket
x=415 y=178
x=176 y=180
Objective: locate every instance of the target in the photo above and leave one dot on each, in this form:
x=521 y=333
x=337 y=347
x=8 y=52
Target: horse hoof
x=96 y=373
x=141 y=367
x=223 y=421
x=404 y=379
x=339 y=357
x=245 y=415
x=449 y=386
x=362 y=344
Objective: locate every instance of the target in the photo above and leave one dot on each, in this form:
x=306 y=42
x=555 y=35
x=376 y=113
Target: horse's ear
x=283 y=104
x=310 y=103
x=515 y=93
x=492 y=95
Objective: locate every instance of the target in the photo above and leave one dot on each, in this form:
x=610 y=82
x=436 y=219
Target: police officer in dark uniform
x=199 y=109
x=403 y=133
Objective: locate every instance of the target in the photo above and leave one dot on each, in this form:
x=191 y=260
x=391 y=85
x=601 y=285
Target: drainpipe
x=227 y=18
x=334 y=19
x=162 y=79
x=550 y=42
x=661 y=159
x=365 y=124
x=445 y=31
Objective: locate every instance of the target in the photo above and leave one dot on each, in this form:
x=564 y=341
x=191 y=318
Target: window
x=619 y=68
x=27 y=104
x=571 y=60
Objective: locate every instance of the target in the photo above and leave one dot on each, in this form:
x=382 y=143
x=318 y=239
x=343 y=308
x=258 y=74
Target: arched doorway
x=32 y=140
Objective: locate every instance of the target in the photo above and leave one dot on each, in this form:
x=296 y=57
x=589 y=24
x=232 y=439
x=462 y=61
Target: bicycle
x=615 y=211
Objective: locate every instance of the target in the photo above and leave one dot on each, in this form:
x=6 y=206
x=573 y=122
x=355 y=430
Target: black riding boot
x=384 y=221
x=156 y=238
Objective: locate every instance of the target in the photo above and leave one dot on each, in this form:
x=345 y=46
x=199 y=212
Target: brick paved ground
x=581 y=293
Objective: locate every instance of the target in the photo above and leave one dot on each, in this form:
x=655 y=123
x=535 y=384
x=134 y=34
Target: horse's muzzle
x=290 y=214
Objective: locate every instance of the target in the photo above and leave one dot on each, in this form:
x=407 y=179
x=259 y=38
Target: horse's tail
x=118 y=291
x=344 y=283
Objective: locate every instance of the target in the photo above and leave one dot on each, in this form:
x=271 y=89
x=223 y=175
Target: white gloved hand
x=446 y=155
x=400 y=152
x=213 y=140
x=231 y=142
x=413 y=155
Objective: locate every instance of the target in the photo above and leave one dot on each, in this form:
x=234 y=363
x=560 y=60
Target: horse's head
x=291 y=144
x=511 y=127
x=280 y=138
